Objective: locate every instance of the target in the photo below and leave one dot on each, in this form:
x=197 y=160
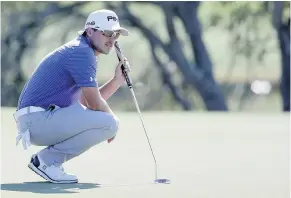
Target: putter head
x=162 y=181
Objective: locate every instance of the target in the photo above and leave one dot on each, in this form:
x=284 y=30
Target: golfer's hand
x=111 y=139
x=119 y=77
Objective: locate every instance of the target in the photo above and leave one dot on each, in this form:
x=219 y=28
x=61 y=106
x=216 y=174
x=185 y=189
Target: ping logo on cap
x=90 y=23
x=111 y=18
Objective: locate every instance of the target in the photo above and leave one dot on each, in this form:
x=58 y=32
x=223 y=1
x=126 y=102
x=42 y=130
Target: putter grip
x=127 y=78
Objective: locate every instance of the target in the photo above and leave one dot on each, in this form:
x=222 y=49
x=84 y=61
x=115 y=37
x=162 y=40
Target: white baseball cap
x=104 y=20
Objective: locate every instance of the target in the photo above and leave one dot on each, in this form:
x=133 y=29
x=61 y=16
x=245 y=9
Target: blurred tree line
x=175 y=47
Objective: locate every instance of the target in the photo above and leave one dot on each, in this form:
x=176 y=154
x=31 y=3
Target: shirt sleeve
x=82 y=67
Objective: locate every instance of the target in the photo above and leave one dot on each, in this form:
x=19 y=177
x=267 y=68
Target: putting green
x=222 y=155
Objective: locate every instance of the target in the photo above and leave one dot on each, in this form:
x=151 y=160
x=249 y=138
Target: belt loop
x=28 y=110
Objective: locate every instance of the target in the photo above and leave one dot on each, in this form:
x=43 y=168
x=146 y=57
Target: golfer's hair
x=84 y=33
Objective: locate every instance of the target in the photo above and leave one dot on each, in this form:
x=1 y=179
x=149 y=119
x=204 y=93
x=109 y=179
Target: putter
x=120 y=56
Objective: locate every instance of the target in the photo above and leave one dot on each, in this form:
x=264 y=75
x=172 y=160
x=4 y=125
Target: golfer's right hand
x=119 y=77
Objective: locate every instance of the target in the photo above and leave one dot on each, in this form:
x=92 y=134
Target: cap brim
x=123 y=31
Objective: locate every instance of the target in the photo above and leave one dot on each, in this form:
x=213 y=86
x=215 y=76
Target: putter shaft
x=129 y=84
x=141 y=119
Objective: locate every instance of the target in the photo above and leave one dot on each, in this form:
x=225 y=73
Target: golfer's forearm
x=92 y=99
x=103 y=106
x=109 y=88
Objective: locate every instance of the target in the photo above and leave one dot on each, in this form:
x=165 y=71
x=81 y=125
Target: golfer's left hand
x=119 y=77
x=111 y=139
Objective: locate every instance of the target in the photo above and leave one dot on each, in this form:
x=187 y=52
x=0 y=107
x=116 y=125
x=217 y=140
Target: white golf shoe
x=54 y=174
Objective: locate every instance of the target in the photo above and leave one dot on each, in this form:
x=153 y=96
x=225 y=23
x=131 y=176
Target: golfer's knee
x=113 y=126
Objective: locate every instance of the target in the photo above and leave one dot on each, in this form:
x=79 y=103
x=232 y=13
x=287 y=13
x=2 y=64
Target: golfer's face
x=104 y=40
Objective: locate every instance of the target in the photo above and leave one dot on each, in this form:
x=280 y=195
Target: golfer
x=62 y=106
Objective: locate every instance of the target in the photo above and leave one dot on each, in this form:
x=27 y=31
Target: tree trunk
x=207 y=87
x=284 y=40
x=200 y=76
x=283 y=34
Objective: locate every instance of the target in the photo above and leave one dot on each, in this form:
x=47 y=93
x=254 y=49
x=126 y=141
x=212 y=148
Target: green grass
x=204 y=155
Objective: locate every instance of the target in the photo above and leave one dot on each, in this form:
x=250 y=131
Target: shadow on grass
x=47 y=187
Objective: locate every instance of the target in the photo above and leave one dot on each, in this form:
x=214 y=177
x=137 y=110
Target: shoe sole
x=43 y=175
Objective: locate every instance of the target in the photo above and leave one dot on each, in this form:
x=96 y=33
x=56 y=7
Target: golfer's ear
x=89 y=31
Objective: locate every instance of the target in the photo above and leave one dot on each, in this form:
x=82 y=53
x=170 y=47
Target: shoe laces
x=59 y=168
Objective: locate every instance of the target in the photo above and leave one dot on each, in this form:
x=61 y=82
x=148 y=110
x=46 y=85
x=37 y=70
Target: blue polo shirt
x=59 y=76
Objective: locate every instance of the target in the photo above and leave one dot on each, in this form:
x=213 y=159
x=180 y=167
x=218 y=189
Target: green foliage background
x=239 y=37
